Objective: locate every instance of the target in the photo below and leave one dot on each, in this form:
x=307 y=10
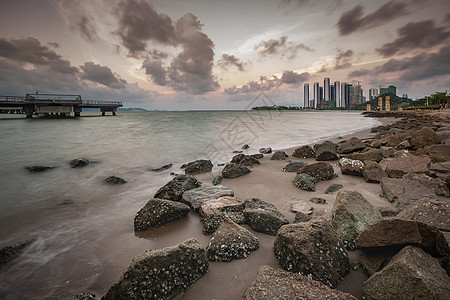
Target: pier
x=62 y=105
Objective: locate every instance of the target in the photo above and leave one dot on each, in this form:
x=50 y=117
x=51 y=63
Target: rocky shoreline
x=376 y=207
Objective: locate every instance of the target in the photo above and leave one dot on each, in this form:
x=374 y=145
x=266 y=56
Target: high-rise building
x=344 y=94
x=326 y=89
x=306 y=95
x=390 y=89
x=355 y=96
x=337 y=93
x=373 y=93
x=316 y=92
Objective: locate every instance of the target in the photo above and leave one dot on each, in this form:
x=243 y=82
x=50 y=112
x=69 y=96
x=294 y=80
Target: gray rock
x=304 y=152
x=80 y=296
x=165 y=167
x=263 y=217
x=404 y=192
x=11 y=252
x=352 y=145
x=441 y=167
x=213 y=211
x=294 y=166
x=234 y=170
x=217 y=180
x=333 y=188
x=79 y=162
x=318 y=200
x=429 y=211
x=350 y=215
x=411 y=274
x=398 y=167
x=312 y=249
x=373 y=172
x=437 y=185
x=301 y=217
x=158 y=212
x=245 y=147
x=195 y=197
x=326 y=151
x=39 y=168
x=301 y=206
x=279 y=155
x=257 y=155
x=319 y=171
x=246 y=160
x=231 y=241
x=198 y=167
x=114 y=180
x=174 y=189
x=162 y=273
x=304 y=182
x=272 y=284
x=265 y=150
x=374 y=260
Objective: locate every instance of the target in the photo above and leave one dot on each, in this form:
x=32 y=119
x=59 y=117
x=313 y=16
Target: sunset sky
x=204 y=54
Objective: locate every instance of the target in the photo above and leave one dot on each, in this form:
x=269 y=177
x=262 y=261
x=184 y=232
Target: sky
x=204 y=54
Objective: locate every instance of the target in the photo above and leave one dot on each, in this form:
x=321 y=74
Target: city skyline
x=200 y=54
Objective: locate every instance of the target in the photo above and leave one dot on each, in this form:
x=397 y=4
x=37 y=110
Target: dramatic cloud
x=291 y=77
x=102 y=75
x=342 y=60
x=86 y=29
x=353 y=20
x=156 y=70
x=229 y=61
x=418 y=35
x=281 y=47
x=30 y=50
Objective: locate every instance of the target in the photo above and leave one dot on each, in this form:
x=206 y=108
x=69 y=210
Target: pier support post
x=28 y=109
x=77 y=111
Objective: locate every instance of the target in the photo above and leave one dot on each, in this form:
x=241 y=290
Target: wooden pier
x=54 y=105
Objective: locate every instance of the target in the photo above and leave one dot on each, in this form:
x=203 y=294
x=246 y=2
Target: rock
x=198 y=167
x=234 y=170
x=352 y=145
x=398 y=167
x=263 y=217
x=245 y=147
x=399 y=233
x=301 y=217
x=246 y=160
x=304 y=182
x=237 y=151
x=301 y=206
x=320 y=171
x=80 y=296
x=350 y=215
x=373 y=172
x=442 y=167
x=437 y=185
x=423 y=137
x=217 y=180
x=174 y=189
x=196 y=196
x=279 y=155
x=312 y=249
x=351 y=167
x=267 y=150
x=411 y=274
x=231 y=241
x=438 y=153
x=304 y=152
x=272 y=284
x=114 y=180
x=372 y=154
x=11 y=252
x=376 y=259
x=429 y=211
x=162 y=273
x=79 y=162
x=333 y=188
x=39 y=168
x=213 y=211
x=403 y=192
x=158 y=212
x=326 y=151
x=404 y=145
x=257 y=155
x=165 y=167
x=293 y=166
x=318 y=200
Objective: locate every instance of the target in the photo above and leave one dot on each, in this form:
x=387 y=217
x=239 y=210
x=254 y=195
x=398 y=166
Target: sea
x=82 y=228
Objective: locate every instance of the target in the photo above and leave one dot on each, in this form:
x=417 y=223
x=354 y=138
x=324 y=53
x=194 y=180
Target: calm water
x=83 y=228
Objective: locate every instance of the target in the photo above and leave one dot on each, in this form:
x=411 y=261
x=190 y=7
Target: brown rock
x=304 y=152
x=213 y=212
x=351 y=167
x=352 y=145
x=403 y=192
x=429 y=211
x=398 y=167
x=373 y=172
x=437 y=185
x=372 y=154
x=438 y=153
x=423 y=137
x=320 y=171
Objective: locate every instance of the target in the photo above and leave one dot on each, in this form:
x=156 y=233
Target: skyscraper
x=316 y=91
x=326 y=89
x=355 y=95
x=344 y=94
x=306 y=95
x=337 y=93
x=373 y=93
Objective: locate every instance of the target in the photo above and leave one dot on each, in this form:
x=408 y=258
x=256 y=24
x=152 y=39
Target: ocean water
x=83 y=229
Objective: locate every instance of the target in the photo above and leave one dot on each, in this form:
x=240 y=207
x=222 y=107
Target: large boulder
x=263 y=217
x=198 y=167
x=272 y=284
x=195 y=197
x=161 y=273
x=438 y=153
x=304 y=182
x=279 y=155
x=351 y=167
x=319 y=171
x=398 y=167
x=234 y=170
x=411 y=274
x=304 y=152
x=158 y=212
x=436 y=184
x=246 y=160
x=11 y=252
x=326 y=151
x=373 y=172
x=404 y=192
x=294 y=166
x=231 y=241
x=312 y=249
x=79 y=162
x=394 y=233
x=352 y=145
x=423 y=137
x=351 y=214
x=429 y=211
x=371 y=154
x=213 y=211
x=174 y=189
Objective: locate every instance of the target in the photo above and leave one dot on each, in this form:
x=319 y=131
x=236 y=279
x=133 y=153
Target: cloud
x=229 y=61
x=101 y=74
x=86 y=29
x=332 y=5
x=291 y=77
x=415 y=35
x=353 y=20
x=156 y=70
x=30 y=50
x=281 y=47
x=342 y=60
